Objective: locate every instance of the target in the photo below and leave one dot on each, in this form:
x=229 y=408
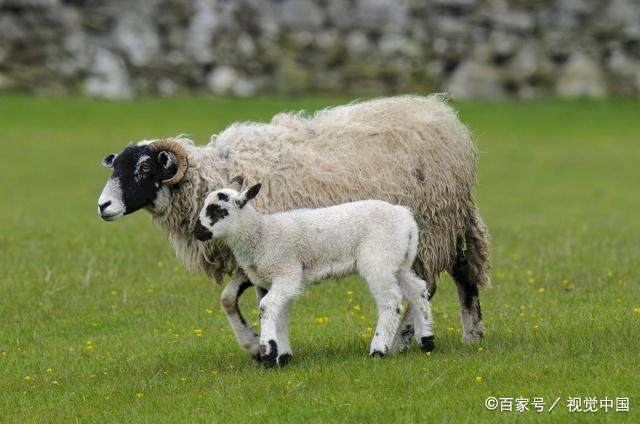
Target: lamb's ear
x=108 y=160
x=237 y=182
x=247 y=195
x=253 y=191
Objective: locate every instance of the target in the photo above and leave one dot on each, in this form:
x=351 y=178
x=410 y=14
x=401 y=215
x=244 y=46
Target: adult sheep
x=408 y=150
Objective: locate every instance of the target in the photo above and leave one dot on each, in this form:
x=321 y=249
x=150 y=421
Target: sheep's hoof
x=377 y=354
x=427 y=344
x=284 y=359
x=473 y=336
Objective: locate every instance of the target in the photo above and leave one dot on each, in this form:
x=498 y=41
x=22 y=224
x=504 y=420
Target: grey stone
x=390 y=16
x=301 y=14
x=473 y=80
x=137 y=36
x=108 y=76
x=357 y=44
x=202 y=27
x=167 y=87
x=529 y=61
x=626 y=73
x=225 y=80
x=4 y=83
x=580 y=77
x=222 y=80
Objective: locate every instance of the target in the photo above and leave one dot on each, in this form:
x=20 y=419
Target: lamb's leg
x=245 y=335
x=274 y=309
x=415 y=291
x=285 y=353
x=388 y=297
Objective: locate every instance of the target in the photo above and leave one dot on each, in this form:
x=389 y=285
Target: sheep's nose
x=104 y=206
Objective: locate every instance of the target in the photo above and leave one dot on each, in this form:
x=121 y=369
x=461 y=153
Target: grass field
x=100 y=322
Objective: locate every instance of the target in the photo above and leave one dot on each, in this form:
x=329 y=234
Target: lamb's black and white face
x=221 y=208
x=135 y=182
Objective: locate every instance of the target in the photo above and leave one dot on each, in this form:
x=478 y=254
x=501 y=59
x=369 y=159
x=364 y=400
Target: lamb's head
x=222 y=210
x=140 y=172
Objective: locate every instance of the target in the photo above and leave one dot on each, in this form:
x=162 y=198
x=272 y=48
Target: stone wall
x=469 y=48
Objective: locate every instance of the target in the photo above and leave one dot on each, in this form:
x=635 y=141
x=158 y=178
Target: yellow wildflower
x=197 y=332
x=478 y=378
x=356 y=308
x=541 y=290
x=27 y=378
x=139 y=394
x=209 y=311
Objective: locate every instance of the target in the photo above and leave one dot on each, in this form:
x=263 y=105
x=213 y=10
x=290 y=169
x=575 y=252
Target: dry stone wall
x=469 y=48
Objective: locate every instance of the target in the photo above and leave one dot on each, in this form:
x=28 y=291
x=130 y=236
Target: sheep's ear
x=164 y=159
x=108 y=160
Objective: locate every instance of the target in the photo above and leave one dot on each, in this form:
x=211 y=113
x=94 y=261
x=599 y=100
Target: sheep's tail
x=473 y=259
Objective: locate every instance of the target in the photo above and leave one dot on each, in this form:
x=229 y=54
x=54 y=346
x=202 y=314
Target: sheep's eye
x=223 y=197
x=145 y=168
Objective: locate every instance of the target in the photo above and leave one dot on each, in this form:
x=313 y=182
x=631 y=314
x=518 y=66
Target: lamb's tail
x=473 y=258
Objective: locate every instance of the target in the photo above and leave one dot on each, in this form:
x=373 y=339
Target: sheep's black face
x=136 y=180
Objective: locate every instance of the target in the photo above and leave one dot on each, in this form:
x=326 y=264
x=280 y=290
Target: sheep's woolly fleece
x=407 y=150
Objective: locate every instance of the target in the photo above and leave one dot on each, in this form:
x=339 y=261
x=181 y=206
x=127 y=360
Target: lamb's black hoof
x=268 y=364
x=427 y=344
x=268 y=360
x=377 y=354
x=284 y=359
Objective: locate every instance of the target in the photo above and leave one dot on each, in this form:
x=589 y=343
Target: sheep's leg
x=245 y=335
x=274 y=309
x=470 y=312
x=470 y=270
x=415 y=291
x=405 y=331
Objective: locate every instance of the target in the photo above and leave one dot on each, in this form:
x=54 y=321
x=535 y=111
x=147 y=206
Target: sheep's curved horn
x=181 y=156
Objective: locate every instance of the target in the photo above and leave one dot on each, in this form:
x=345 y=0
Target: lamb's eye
x=223 y=197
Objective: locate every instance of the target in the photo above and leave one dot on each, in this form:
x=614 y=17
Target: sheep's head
x=220 y=211
x=140 y=172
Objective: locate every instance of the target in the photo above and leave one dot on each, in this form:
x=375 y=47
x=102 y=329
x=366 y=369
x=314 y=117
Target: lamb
x=407 y=150
x=286 y=251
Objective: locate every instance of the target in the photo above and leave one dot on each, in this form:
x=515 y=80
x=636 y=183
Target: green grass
x=98 y=318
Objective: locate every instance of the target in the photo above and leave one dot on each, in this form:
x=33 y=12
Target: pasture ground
x=100 y=322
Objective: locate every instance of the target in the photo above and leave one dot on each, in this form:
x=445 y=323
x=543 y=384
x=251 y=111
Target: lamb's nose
x=104 y=206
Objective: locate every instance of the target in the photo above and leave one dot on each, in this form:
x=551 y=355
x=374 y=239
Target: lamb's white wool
x=286 y=251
